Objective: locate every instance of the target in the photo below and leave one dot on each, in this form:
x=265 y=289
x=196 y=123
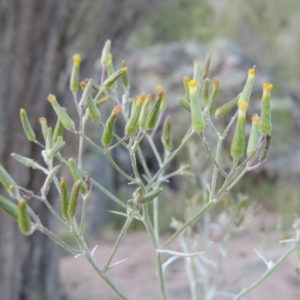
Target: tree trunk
x=37 y=39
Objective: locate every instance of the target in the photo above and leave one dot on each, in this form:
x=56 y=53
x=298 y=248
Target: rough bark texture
x=37 y=39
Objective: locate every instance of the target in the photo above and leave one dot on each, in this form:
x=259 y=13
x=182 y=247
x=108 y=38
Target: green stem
x=266 y=274
x=94 y=145
x=204 y=141
x=94 y=265
x=134 y=165
x=215 y=172
x=136 y=143
x=154 y=149
x=57 y=239
x=172 y=156
x=191 y=270
x=117 y=168
x=54 y=213
x=155 y=241
x=80 y=147
x=143 y=162
x=108 y=193
x=83 y=213
x=117 y=244
x=207 y=206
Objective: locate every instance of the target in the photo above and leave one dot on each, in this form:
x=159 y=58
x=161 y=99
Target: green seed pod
x=185 y=104
x=125 y=80
x=197 y=76
x=265 y=124
x=153 y=115
x=246 y=93
x=61 y=113
x=76 y=174
x=86 y=93
x=58 y=130
x=74 y=81
x=151 y=195
x=101 y=101
x=23 y=217
x=138 y=195
x=64 y=198
x=112 y=78
x=107 y=135
x=144 y=111
x=44 y=126
x=87 y=181
x=73 y=198
x=111 y=70
x=26 y=125
x=265 y=150
x=28 y=162
x=96 y=87
x=163 y=104
x=185 y=81
x=93 y=110
x=46 y=187
x=238 y=143
x=8 y=183
x=198 y=121
x=9 y=207
x=49 y=139
x=57 y=146
x=105 y=52
x=206 y=66
x=213 y=97
x=132 y=125
x=205 y=89
x=254 y=136
x=166 y=136
x=227 y=107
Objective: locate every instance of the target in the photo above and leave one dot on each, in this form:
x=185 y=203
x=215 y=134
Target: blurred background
x=159 y=40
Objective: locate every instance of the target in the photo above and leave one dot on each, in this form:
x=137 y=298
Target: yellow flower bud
x=246 y=93
x=74 y=81
x=198 y=121
x=61 y=113
x=254 y=136
x=108 y=131
x=265 y=123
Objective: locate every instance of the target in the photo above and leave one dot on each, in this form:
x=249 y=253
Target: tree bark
x=37 y=39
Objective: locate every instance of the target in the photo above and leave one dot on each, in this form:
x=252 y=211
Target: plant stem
x=267 y=273
x=155 y=241
x=215 y=172
x=172 y=156
x=143 y=162
x=56 y=239
x=191 y=269
x=94 y=265
x=203 y=138
x=108 y=193
x=83 y=213
x=207 y=206
x=120 y=238
x=90 y=141
x=154 y=149
x=111 y=160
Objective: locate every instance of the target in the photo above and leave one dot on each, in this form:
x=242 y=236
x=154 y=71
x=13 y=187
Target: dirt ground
x=136 y=276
